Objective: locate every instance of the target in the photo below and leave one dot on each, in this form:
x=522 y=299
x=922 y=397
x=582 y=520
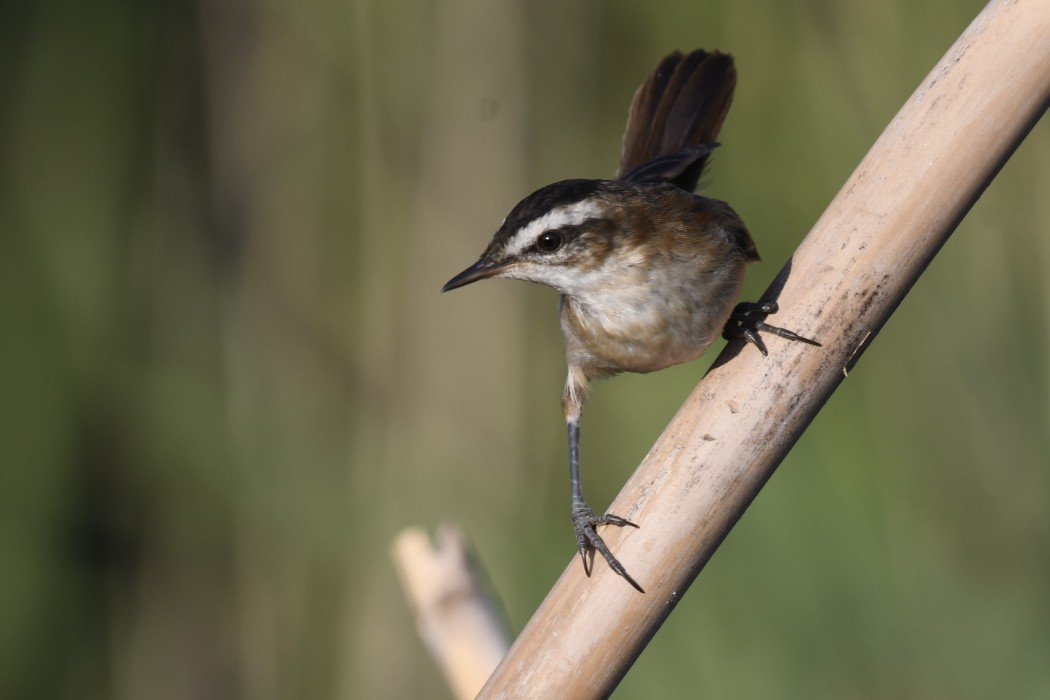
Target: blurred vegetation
x=229 y=378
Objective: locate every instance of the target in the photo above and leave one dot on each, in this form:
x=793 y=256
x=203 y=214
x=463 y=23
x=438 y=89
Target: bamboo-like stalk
x=863 y=255
x=459 y=623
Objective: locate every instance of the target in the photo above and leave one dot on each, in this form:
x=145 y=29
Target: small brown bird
x=648 y=271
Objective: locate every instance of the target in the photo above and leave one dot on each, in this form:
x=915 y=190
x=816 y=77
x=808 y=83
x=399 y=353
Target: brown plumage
x=648 y=271
x=677 y=113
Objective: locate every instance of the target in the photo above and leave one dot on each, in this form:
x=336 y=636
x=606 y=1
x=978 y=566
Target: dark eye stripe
x=567 y=235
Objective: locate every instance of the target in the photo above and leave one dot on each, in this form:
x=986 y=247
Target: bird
x=648 y=271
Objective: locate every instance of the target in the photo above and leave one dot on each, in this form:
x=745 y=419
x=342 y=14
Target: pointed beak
x=482 y=269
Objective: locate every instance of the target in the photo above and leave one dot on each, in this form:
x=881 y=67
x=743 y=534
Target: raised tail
x=675 y=118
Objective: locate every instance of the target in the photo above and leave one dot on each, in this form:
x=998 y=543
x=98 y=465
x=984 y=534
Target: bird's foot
x=588 y=540
x=748 y=319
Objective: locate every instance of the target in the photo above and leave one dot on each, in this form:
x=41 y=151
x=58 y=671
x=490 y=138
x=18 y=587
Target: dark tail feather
x=675 y=118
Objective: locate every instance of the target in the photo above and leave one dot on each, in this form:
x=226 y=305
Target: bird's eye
x=549 y=241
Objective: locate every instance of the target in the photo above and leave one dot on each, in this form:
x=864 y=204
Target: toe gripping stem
x=588 y=540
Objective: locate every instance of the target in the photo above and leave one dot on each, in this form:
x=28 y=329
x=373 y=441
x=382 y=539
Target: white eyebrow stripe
x=568 y=215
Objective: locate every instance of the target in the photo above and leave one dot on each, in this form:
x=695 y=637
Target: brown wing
x=675 y=118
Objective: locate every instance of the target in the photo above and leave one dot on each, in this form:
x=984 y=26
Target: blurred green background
x=229 y=378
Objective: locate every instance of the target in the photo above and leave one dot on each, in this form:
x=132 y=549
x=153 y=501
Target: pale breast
x=645 y=319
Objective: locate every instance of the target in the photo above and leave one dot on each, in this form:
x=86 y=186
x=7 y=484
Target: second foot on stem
x=748 y=319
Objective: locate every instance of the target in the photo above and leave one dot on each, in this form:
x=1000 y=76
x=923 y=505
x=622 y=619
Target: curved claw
x=784 y=333
x=588 y=541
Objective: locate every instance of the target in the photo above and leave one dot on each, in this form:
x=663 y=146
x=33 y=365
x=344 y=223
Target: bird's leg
x=584 y=520
x=748 y=319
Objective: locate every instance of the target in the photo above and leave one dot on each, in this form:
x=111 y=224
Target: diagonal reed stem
x=896 y=210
